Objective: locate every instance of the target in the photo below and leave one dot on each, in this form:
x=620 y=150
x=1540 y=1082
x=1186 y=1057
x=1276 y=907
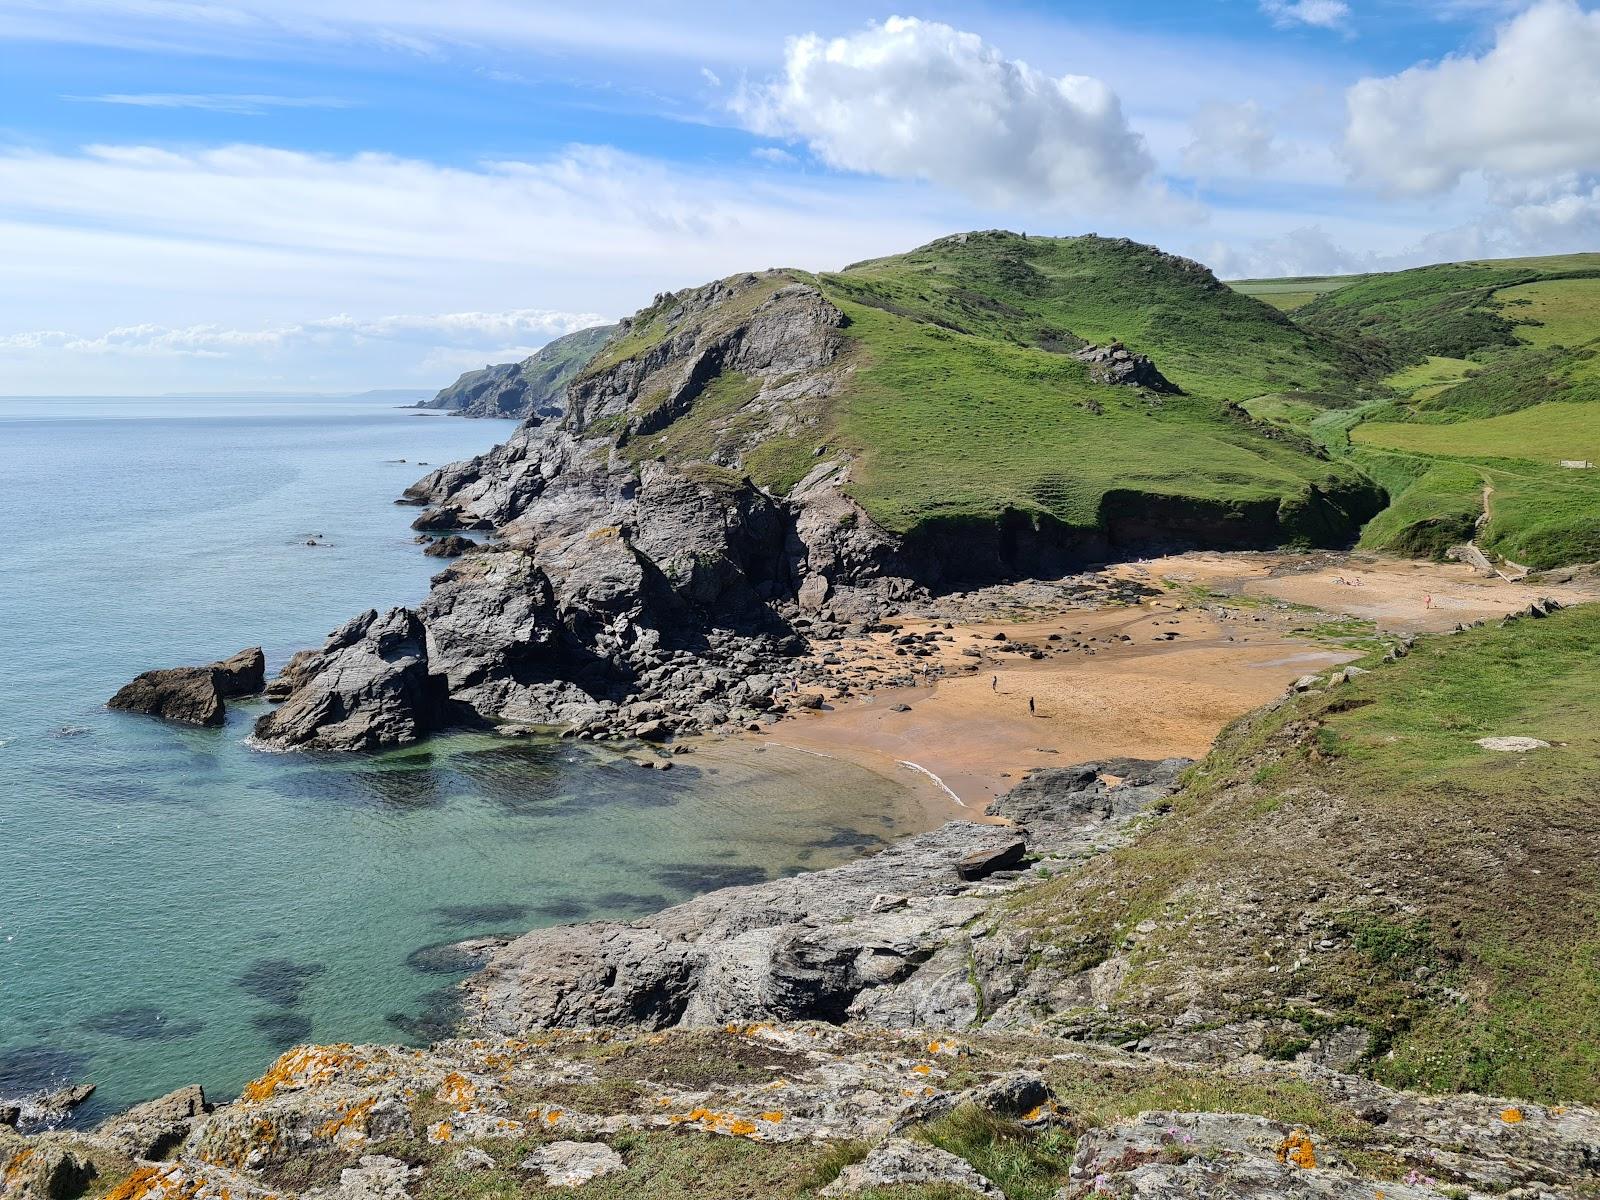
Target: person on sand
x=994 y=683
x=1031 y=711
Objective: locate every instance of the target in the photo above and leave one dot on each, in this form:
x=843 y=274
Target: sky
x=333 y=195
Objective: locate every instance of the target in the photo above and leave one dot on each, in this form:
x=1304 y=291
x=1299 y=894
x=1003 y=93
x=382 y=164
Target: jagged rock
x=10 y=1114
x=153 y=1129
x=193 y=695
x=368 y=688
x=982 y=863
x=44 y=1171
x=900 y=1161
x=570 y=1164
x=471 y=1158
x=452 y=545
x=1115 y=364
x=245 y=674
x=1076 y=795
x=54 y=1105
x=1223 y=1154
x=378 y=1177
x=185 y=694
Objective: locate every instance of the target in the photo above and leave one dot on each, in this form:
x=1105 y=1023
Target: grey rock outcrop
x=152 y=1129
x=887 y=940
x=194 y=695
x=897 y=1162
x=185 y=694
x=368 y=688
x=1115 y=364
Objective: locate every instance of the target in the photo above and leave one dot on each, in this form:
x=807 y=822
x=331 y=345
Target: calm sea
x=175 y=907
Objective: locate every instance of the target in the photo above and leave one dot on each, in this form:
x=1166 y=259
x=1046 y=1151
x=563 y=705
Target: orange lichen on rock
x=157 y=1183
x=304 y=1066
x=350 y=1125
x=922 y=1069
x=773 y=1117
x=15 y=1167
x=458 y=1090
x=440 y=1132
x=552 y=1116
x=1297 y=1149
x=1511 y=1115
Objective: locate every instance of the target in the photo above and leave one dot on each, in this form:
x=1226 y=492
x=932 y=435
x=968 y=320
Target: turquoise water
x=175 y=907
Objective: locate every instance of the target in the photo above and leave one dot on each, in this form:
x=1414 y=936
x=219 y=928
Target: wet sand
x=1114 y=683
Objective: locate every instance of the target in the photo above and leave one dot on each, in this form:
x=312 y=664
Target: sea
x=177 y=907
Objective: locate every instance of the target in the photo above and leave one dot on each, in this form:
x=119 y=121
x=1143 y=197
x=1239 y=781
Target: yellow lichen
x=922 y=1069
x=1297 y=1149
x=351 y=1124
x=774 y=1117
x=1511 y=1115
x=304 y=1066
x=440 y=1132
x=458 y=1090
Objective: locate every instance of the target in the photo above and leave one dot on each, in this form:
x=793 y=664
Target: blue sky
x=336 y=194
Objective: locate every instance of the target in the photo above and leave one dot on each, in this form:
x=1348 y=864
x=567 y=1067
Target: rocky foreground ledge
x=832 y=1034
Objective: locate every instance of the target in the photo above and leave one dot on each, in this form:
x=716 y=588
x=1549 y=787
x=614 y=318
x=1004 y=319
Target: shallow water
x=175 y=907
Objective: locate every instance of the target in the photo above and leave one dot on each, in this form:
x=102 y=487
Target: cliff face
x=733 y=460
x=524 y=390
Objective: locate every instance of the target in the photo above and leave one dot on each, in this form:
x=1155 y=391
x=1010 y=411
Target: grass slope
x=961 y=402
x=1497 y=372
x=1355 y=857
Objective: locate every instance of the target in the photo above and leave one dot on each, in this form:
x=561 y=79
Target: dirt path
x=1151 y=681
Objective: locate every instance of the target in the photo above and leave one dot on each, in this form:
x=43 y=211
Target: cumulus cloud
x=1228 y=136
x=1530 y=105
x=1324 y=14
x=917 y=99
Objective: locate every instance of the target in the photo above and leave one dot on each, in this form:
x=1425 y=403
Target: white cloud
x=776 y=155
x=1324 y=14
x=711 y=77
x=472 y=330
x=914 y=99
x=1530 y=105
x=264 y=242
x=1228 y=136
x=242 y=104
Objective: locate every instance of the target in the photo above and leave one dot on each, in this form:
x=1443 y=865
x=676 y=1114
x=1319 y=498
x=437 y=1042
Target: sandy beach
x=1224 y=634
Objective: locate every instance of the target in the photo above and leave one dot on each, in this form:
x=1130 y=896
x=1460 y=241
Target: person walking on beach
x=994 y=683
x=1031 y=711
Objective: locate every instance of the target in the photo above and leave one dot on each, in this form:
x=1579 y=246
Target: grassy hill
x=961 y=403
x=1496 y=368
x=1354 y=857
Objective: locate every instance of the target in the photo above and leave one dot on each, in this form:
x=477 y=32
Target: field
x=1546 y=433
x=1286 y=295
x=1470 y=948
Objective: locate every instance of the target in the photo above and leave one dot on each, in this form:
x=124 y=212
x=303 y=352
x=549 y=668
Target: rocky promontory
x=530 y=390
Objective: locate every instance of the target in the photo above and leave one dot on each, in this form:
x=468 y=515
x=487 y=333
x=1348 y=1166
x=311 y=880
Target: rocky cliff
x=531 y=389
x=714 y=486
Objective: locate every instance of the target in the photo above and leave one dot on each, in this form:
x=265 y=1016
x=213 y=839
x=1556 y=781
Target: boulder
x=194 y=695
x=368 y=688
x=899 y=1161
x=188 y=695
x=153 y=1129
x=452 y=545
x=981 y=863
x=571 y=1164
x=245 y=674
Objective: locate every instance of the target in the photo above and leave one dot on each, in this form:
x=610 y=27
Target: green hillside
x=961 y=402
x=1490 y=409
x=1446 y=892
